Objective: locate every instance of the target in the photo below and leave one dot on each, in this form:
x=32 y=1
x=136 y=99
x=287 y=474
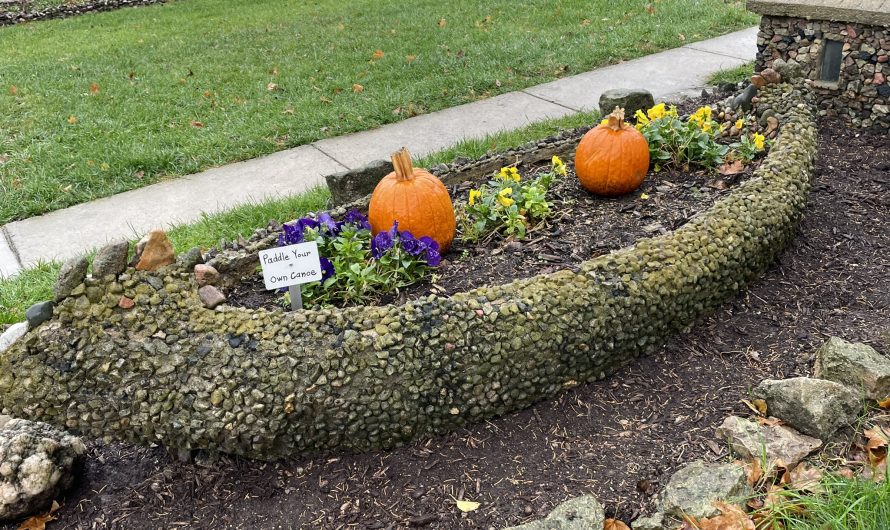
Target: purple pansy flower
x=293 y=233
x=410 y=244
x=355 y=217
x=327 y=268
x=380 y=244
x=433 y=258
x=429 y=243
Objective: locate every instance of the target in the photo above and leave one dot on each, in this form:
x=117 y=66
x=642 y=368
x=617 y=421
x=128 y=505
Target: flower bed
x=269 y=384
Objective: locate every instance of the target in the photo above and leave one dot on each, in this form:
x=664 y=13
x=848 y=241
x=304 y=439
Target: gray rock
x=580 y=513
x=788 y=70
x=72 y=274
x=12 y=334
x=692 y=489
x=854 y=365
x=39 y=313
x=773 y=442
x=210 y=296
x=656 y=521
x=188 y=259
x=631 y=100
x=4 y=420
x=743 y=100
x=37 y=463
x=206 y=275
x=813 y=406
x=111 y=259
x=348 y=186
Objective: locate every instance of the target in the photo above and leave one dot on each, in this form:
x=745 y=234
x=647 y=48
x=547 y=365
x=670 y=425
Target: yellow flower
x=673 y=111
x=739 y=123
x=706 y=126
x=474 y=194
x=509 y=173
x=656 y=112
x=644 y=196
x=559 y=166
x=605 y=122
x=758 y=141
x=502 y=197
x=641 y=118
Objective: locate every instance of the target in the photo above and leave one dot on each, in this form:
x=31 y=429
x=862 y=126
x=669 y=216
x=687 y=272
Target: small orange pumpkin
x=613 y=158
x=416 y=199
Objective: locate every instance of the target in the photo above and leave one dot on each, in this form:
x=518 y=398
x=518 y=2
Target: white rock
x=14 y=333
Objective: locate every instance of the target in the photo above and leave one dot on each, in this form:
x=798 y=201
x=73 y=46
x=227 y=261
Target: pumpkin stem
x=401 y=162
x=616 y=119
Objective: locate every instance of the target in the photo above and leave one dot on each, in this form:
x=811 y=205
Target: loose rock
x=111 y=259
x=775 y=442
x=157 y=252
x=12 y=334
x=854 y=365
x=37 y=463
x=813 y=406
x=631 y=100
x=692 y=489
x=39 y=313
x=206 y=275
x=72 y=274
x=580 y=513
x=770 y=76
x=210 y=296
x=189 y=259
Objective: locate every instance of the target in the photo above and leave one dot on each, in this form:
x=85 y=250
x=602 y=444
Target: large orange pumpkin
x=416 y=199
x=612 y=158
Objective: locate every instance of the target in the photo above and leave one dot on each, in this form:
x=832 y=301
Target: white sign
x=291 y=265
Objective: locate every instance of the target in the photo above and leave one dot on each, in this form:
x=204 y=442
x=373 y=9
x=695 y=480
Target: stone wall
x=795 y=45
x=270 y=384
x=13 y=14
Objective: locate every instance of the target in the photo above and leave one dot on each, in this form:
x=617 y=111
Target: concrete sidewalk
x=72 y=231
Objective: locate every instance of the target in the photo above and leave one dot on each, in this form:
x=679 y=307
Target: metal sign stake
x=296 y=296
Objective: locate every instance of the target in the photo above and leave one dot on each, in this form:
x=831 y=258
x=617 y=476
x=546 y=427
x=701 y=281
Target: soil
x=619 y=439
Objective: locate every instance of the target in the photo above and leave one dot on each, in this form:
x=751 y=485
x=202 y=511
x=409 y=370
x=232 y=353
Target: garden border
x=273 y=384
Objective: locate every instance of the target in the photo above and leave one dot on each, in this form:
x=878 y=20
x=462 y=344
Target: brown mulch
x=619 y=439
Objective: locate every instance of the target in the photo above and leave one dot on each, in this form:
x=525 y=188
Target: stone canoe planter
x=269 y=384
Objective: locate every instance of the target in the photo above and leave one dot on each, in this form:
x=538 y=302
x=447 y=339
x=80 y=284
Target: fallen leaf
x=804 y=477
x=197 y=124
x=758 y=406
x=341 y=26
x=13 y=90
x=876 y=446
x=38 y=522
x=410 y=58
x=614 y=524
x=681 y=36
x=271 y=87
x=717 y=184
x=72 y=119
x=325 y=100
x=357 y=88
x=650 y=9
x=288 y=110
x=208 y=94
x=467 y=506
x=378 y=54
x=585 y=22
x=731 y=168
x=94 y=88
x=753 y=472
x=442 y=23
x=885 y=404
x=67 y=188
x=771 y=421
x=644 y=196
x=731 y=518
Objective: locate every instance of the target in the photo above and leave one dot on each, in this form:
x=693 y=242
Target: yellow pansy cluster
x=504 y=197
x=759 y=139
x=656 y=112
x=559 y=167
x=474 y=195
x=702 y=119
x=509 y=173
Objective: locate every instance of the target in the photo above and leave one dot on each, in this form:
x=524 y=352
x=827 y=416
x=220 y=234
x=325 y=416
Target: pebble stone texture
x=271 y=384
x=37 y=463
x=12 y=13
x=792 y=37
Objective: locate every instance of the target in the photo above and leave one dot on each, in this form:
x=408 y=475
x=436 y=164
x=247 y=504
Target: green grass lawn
x=35 y=284
x=733 y=75
x=101 y=103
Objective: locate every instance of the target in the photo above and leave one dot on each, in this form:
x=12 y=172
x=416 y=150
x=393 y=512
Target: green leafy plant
x=679 y=143
x=506 y=205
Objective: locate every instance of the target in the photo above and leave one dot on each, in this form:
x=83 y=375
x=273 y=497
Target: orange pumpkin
x=416 y=199
x=612 y=158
